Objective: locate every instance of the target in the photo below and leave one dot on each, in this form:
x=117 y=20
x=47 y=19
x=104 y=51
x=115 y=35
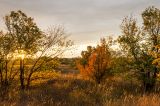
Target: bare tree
x=54 y=45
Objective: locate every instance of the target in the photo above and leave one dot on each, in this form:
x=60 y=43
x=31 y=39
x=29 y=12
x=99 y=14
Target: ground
x=70 y=89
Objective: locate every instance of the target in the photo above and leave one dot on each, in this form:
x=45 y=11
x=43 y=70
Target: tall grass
x=71 y=90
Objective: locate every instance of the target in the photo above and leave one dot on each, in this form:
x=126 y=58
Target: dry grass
x=71 y=90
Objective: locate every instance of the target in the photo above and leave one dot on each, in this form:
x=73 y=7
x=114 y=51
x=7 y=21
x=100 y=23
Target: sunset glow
x=84 y=20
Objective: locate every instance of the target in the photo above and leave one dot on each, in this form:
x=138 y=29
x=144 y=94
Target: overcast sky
x=86 y=20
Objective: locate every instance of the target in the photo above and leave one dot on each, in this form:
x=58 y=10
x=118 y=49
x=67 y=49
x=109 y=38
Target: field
x=69 y=89
x=105 y=53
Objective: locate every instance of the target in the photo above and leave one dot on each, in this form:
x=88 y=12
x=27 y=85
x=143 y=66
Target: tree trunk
x=6 y=73
x=29 y=80
x=1 y=76
x=22 y=74
x=150 y=82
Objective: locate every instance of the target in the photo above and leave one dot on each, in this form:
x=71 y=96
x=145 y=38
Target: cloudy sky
x=86 y=20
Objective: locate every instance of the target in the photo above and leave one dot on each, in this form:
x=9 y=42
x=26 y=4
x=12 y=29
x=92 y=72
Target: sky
x=86 y=21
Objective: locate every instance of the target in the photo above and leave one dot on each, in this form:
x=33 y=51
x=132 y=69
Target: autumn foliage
x=96 y=63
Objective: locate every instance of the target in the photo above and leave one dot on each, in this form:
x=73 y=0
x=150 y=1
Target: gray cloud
x=86 y=20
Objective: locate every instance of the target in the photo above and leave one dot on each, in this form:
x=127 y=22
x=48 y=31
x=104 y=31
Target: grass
x=72 y=90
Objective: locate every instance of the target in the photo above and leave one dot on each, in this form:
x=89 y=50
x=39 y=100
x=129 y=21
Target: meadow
x=118 y=71
x=70 y=89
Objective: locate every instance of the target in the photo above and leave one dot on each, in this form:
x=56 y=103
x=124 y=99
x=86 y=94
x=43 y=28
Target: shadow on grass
x=71 y=91
x=63 y=92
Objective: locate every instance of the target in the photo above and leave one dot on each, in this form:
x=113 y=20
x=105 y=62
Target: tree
x=28 y=41
x=151 y=27
x=130 y=39
x=55 y=44
x=97 y=65
x=137 y=44
x=131 y=42
x=7 y=73
x=85 y=55
x=25 y=34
